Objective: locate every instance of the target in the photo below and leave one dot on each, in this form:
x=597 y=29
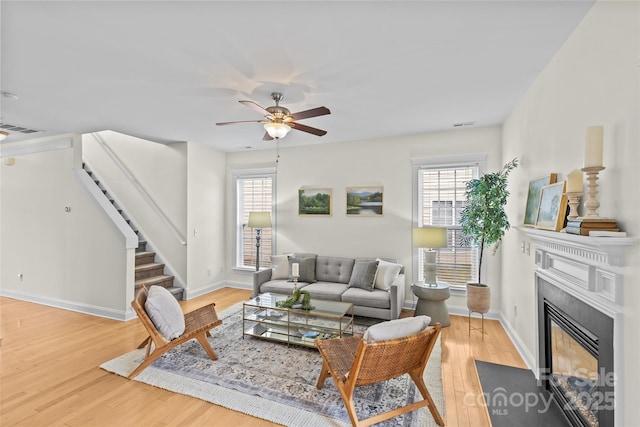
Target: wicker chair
x=352 y=362
x=198 y=323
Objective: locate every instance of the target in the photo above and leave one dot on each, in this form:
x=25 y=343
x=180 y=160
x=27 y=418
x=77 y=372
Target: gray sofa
x=333 y=275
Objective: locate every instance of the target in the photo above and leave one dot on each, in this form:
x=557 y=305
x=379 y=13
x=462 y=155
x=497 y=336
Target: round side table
x=431 y=302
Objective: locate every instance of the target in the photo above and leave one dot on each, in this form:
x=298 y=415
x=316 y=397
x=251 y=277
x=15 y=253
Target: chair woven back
x=382 y=360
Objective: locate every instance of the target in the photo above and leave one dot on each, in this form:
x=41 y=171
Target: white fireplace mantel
x=593 y=266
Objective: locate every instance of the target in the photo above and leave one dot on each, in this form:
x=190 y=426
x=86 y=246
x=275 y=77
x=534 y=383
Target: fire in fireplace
x=576 y=354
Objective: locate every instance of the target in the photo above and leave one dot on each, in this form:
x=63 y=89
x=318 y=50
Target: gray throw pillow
x=165 y=312
x=363 y=275
x=306 y=269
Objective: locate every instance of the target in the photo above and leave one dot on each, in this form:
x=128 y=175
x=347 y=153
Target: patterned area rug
x=275 y=382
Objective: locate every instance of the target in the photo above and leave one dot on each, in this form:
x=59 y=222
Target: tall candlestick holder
x=592 y=204
x=574 y=203
x=295 y=282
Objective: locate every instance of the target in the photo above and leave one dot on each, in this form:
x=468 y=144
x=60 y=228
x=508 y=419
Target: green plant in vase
x=484 y=223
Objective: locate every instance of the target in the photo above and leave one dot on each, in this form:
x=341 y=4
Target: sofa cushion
x=363 y=274
x=284 y=287
x=364 y=298
x=280 y=267
x=165 y=312
x=385 y=275
x=326 y=290
x=396 y=328
x=334 y=269
x=306 y=268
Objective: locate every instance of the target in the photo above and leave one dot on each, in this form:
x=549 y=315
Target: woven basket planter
x=478 y=297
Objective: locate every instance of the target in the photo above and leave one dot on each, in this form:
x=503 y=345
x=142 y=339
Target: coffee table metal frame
x=261 y=318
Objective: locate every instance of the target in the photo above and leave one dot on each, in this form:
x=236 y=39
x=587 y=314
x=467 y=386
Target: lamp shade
x=277 y=130
x=260 y=219
x=430 y=237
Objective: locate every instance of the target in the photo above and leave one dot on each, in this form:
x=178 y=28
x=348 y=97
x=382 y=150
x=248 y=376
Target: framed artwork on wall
x=533 y=198
x=552 y=210
x=364 y=201
x=314 y=201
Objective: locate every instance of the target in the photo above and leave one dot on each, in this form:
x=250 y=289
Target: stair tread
x=150 y=266
x=152 y=280
x=144 y=253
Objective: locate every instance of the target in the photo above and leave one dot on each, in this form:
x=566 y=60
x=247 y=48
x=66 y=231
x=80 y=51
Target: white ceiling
x=168 y=71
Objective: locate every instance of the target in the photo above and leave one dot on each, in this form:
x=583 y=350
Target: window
x=254 y=192
x=439 y=202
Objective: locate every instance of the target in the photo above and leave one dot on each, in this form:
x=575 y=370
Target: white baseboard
x=93 y=310
x=517 y=342
x=528 y=358
x=194 y=293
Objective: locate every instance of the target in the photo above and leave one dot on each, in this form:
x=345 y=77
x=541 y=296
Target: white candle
x=295 y=269
x=593 y=147
x=574 y=182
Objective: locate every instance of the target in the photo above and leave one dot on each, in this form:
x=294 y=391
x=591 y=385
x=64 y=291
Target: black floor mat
x=514 y=398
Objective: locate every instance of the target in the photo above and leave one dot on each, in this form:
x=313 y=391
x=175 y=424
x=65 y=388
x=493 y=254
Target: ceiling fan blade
x=255 y=107
x=267 y=137
x=238 y=123
x=308 y=129
x=314 y=112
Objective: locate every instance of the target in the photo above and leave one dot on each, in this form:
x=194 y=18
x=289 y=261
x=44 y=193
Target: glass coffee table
x=262 y=318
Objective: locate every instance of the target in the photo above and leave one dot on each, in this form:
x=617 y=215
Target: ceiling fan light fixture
x=277 y=130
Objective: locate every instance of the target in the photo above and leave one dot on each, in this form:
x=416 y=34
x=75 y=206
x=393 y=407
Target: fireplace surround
x=580 y=323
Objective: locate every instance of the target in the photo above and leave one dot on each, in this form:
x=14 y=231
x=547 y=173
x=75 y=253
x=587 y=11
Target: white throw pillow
x=396 y=328
x=279 y=267
x=165 y=312
x=386 y=274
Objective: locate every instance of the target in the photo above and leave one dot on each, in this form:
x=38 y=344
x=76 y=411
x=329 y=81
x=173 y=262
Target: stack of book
x=584 y=226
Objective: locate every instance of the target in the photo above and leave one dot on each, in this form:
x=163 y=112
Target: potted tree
x=484 y=222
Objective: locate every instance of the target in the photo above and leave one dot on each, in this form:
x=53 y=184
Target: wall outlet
x=21 y=276
x=522 y=246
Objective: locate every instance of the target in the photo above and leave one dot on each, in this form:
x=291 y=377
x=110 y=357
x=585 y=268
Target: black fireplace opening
x=576 y=357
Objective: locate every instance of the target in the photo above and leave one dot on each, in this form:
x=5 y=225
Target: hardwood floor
x=49 y=372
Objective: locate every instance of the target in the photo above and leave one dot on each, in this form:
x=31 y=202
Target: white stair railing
x=140 y=189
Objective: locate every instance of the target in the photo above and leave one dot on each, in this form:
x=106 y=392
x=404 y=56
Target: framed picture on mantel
x=553 y=207
x=533 y=198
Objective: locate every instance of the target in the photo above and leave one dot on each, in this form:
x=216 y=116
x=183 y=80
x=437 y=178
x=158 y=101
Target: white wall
x=76 y=260
x=593 y=80
x=161 y=172
x=381 y=162
x=206 y=251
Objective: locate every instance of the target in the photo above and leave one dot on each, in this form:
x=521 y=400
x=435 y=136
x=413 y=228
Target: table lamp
x=430 y=238
x=259 y=220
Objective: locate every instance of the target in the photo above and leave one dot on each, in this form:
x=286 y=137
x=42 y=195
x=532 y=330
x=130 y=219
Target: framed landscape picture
x=552 y=210
x=364 y=201
x=314 y=201
x=533 y=198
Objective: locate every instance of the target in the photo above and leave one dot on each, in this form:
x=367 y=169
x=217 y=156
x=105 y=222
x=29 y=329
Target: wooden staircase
x=148 y=272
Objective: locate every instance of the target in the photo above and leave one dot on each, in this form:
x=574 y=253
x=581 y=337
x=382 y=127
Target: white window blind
x=440 y=201
x=254 y=194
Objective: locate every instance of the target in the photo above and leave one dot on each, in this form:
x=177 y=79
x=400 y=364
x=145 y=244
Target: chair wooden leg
x=417 y=378
x=324 y=373
x=205 y=344
x=348 y=403
x=145 y=342
x=147 y=361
